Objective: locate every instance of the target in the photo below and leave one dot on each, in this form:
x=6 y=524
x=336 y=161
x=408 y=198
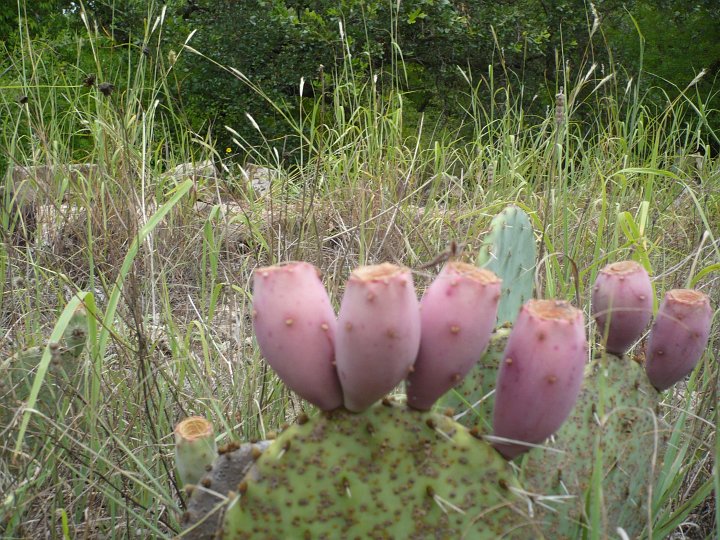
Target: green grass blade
x=114 y=299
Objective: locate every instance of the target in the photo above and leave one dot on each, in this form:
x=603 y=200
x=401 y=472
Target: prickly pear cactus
x=389 y=472
x=509 y=250
x=18 y=370
x=614 y=434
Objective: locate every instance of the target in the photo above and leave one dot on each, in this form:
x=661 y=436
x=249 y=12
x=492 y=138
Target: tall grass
x=167 y=259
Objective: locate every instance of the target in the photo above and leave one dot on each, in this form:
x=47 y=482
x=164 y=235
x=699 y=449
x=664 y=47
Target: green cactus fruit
x=458 y=312
x=509 y=251
x=612 y=435
x=195 y=448
x=389 y=472
x=540 y=375
x=473 y=399
x=678 y=336
x=294 y=323
x=378 y=333
x=622 y=303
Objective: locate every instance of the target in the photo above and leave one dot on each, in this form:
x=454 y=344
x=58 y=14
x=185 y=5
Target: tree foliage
x=420 y=45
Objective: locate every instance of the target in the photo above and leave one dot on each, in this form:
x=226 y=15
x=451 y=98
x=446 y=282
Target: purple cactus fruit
x=378 y=333
x=295 y=327
x=678 y=336
x=622 y=301
x=458 y=314
x=540 y=376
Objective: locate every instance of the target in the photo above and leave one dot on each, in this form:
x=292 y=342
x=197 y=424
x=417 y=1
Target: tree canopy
x=422 y=46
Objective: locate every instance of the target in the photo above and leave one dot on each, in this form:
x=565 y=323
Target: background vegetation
x=421 y=47
x=388 y=131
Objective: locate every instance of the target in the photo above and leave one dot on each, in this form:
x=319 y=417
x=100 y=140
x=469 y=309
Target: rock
x=259 y=178
x=27 y=188
x=196 y=171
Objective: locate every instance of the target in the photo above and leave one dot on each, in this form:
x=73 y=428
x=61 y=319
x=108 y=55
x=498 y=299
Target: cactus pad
x=195 y=448
x=19 y=370
x=509 y=251
x=613 y=424
x=390 y=472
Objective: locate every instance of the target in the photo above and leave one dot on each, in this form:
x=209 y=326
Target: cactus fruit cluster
x=398 y=469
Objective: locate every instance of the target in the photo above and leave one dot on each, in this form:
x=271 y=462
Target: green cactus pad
x=389 y=472
x=613 y=425
x=509 y=250
x=472 y=400
x=18 y=370
x=76 y=333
